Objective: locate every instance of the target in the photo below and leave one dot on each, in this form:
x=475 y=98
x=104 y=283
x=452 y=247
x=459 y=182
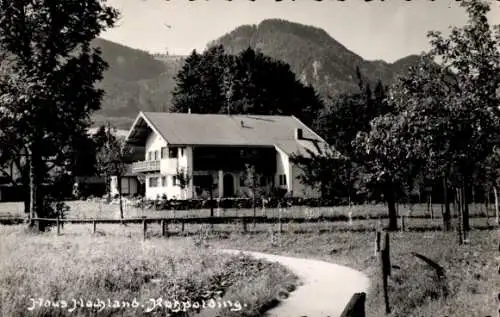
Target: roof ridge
x=216 y=114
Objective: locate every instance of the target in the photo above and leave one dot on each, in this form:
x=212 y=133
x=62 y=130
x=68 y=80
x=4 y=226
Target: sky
x=375 y=30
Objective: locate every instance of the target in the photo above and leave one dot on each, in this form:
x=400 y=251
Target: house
x=188 y=155
x=130 y=184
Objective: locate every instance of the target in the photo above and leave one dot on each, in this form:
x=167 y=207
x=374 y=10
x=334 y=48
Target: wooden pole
x=356 y=306
x=430 y=204
x=497 y=211
x=145 y=228
x=384 y=283
x=182 y=226
x=385 y=271
x=245 y=225
x=58 y=221
x=459 y=216
x=94 y=223
x=163 y=231
x=387 y=253
x=378 y=237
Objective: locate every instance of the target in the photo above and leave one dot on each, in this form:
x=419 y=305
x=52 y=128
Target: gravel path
x=326 y=287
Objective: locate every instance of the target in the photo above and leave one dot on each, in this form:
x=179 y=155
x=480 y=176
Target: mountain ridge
x=138 y=80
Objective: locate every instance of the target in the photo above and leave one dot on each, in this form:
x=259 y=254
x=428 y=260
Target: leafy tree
x=388 y=158
x=200 y=83
x=183 y=179
x=488 y=174
x=453 y=107
x=48 y=92
x=344 y=175
x=262 y=85
x=84 y=156
x=422 y=101
x=112 y=161
x=247 y=83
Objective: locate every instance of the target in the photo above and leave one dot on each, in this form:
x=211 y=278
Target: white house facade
x=195 y=155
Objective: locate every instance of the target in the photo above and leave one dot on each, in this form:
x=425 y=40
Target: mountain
x=134 y=81
x=313 y=54
x=137 y=80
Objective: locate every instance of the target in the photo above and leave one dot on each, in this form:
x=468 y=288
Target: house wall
x=168 y=169
x=154 y=143
x=283 y=167
x=184 y=160
x=130 y=185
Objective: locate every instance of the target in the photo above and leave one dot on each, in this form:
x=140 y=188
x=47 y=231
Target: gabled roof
x=224 y=130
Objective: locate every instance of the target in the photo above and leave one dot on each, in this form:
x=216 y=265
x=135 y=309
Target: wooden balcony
x=146 y=166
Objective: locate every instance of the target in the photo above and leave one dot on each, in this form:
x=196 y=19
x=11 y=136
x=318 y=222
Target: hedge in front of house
x=233 y=203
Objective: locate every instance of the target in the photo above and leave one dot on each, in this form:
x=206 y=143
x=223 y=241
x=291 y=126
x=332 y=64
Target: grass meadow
x=469 y=290
x=116 y=265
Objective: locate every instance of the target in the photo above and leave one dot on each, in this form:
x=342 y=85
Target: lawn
x=97 y=209
x=471 y=270
x=117 y=271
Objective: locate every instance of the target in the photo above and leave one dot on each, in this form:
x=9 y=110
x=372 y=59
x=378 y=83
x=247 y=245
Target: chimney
x=298 y=134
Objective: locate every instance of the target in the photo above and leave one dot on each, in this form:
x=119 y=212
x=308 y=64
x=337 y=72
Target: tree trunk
x=211 y=200
x=429 y=203
x=119 y=186
x=446 y=202
x=391 y=205
x=459 y=214
x=253 y=201
x=487 y=203
x=495 y=192
x=35 y=203
x=108 y=188
x=465 y=205
x=27 y=201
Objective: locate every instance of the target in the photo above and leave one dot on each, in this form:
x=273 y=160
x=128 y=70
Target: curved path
x=325 y=290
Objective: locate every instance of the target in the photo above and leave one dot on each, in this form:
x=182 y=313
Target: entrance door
x=228 y=185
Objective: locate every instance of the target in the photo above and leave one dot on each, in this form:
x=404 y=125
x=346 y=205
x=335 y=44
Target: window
x=172 y=152
x=163 y=152
x=153 y=182
x=150 y=156
x=164 y=181
x=156 y=155
x=182 y=151
x=282 y=180
x=175 y=181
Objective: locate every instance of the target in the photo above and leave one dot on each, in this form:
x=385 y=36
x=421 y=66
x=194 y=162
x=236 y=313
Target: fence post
x=163 y=227
x=378 y=237
x=58 y=222
x=385 y=271
x=355 y=307
x=94 y=223
x=182 y=226
x=244 y=225
x=145 y=228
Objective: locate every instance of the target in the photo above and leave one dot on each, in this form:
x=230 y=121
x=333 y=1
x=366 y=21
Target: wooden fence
x=382 y=252
x=164 y=222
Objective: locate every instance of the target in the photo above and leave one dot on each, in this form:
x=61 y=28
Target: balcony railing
x=145 y=166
